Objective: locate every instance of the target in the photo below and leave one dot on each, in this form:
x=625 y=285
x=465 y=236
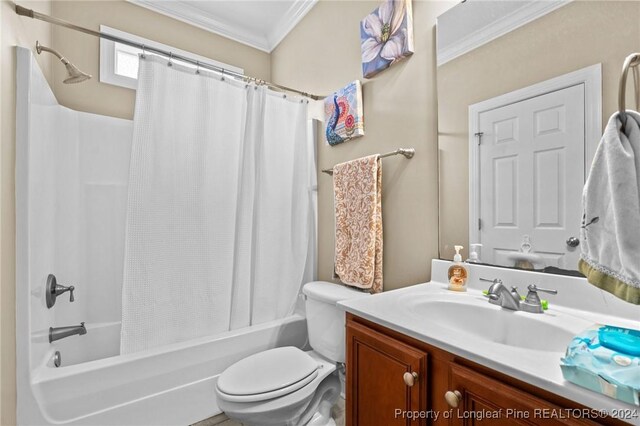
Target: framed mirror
x=524 y=90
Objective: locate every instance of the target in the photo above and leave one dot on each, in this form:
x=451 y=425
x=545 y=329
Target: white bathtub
x=172 y=385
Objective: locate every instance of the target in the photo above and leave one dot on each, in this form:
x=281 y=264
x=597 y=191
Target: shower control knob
x=53 y=290
x=573 y=242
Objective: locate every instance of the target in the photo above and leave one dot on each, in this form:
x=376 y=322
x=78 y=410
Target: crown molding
x=294 y=15
x=185 y=12
x=501 y=26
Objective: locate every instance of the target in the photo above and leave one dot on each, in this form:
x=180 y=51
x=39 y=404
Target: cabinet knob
x=453 y=398
x=410 y=378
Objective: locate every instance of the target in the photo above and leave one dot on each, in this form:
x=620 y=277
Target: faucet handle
x=60 y=289
x=535 y=288
x=53 y=290
x=514 y=292
x=495 y=280
x=532 y=302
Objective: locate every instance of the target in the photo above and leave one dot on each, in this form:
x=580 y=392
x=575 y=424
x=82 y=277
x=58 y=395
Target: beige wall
x=321 y=55
x=15 y=31
x=572 y=37
x=84 y=51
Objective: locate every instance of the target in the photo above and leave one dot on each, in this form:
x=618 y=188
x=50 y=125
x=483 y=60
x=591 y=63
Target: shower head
x=74 y=73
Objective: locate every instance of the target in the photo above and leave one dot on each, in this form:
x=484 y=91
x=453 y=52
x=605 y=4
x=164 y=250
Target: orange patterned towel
x=357 y=188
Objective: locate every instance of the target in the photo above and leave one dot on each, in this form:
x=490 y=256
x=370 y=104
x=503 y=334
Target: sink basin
x=479 y=319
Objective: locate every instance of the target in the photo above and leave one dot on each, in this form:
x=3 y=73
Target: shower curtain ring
x=144 y=53
x=170 y=58
x=222 y=78
x=197 y=67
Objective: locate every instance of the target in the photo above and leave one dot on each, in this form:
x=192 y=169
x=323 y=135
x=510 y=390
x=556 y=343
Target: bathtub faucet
x=57 y=333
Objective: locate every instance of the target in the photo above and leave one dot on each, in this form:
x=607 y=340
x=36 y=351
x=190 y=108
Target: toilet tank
x=325 y=320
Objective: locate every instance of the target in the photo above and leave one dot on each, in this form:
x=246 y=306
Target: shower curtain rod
x=23 y=11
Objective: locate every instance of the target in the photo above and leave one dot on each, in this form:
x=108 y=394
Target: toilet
x=286 y=385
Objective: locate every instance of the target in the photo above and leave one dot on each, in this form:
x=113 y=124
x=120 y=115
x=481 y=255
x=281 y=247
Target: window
x=119 y=62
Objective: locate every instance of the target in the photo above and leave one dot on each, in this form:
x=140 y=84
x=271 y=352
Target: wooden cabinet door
x=376 y=390
x=481 y=397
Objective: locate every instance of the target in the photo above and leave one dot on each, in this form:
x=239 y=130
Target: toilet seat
x=286 y=409
x=266 y=375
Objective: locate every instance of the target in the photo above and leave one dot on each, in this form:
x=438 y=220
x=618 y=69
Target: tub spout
x=57 y=333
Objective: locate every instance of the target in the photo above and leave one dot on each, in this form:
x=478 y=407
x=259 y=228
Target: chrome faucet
x=57 y=333
x=499 y=295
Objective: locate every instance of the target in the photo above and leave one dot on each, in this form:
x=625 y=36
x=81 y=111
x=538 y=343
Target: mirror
x=524 y=91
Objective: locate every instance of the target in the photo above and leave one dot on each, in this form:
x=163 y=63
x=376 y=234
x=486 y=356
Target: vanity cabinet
x=383 y=375
x=390 y=375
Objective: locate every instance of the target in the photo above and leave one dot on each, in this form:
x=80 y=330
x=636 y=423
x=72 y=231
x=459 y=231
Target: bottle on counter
x=458 y=273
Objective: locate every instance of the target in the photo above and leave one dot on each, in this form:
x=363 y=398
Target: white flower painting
x=386 y=36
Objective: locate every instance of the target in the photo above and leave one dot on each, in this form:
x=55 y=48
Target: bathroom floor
x=338 y=413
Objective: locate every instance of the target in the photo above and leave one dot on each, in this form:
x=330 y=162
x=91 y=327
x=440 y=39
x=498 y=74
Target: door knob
x=453 y=398
x=410 y=378
x=573 y=242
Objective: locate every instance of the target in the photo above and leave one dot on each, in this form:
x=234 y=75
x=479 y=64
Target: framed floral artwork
x=386 y=36
x=343 y=114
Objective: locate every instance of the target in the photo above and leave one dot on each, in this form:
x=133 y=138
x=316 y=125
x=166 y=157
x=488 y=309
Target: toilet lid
x=287 y=368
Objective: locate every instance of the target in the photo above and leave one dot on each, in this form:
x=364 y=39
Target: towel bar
x=407 y=152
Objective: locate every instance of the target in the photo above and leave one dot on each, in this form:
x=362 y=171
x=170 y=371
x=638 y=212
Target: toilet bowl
x=288 y=386
x=295 y=404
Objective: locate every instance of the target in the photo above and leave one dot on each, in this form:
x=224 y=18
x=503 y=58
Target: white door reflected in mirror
x=529 y=179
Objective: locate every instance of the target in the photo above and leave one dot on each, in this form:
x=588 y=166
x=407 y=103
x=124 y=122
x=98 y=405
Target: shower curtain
x=221 y=208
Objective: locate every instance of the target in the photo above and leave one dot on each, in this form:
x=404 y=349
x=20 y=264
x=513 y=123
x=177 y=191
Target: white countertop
x=537 y=367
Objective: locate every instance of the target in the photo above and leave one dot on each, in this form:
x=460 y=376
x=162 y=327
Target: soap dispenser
x=457 y=272
x=473 y=253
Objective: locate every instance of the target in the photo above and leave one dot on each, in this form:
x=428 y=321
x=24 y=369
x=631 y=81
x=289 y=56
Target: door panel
x=531 y=177
x=376 y=389
x=505 y=172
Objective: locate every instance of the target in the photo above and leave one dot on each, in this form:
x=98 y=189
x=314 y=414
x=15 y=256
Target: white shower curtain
x=221 y=208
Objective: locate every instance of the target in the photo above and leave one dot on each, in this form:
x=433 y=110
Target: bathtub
x=172 y=385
